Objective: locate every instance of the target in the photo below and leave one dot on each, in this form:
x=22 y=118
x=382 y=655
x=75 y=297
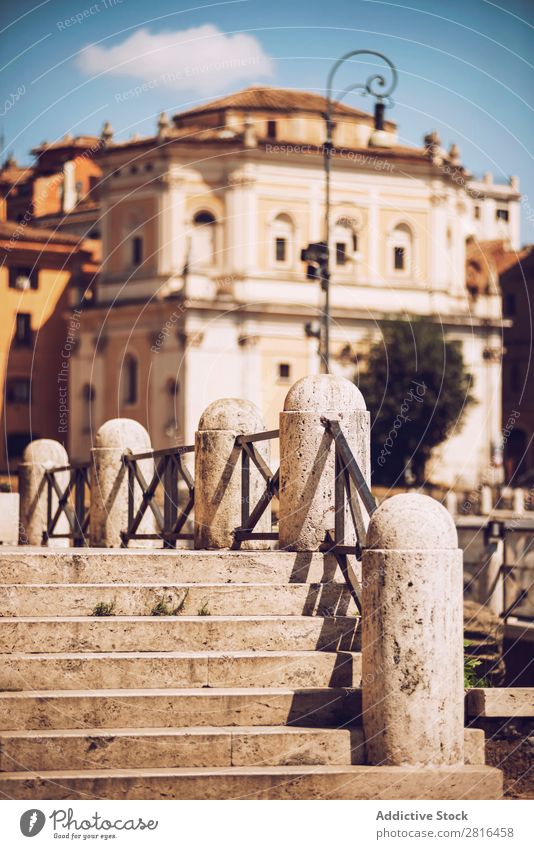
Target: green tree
x=417 y=389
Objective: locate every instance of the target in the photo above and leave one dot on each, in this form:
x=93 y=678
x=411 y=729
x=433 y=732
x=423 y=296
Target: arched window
x=283 y=237
x=401 y=249
x=203 y=237
x=129 y=380
x=88 y=396
x=345 y=242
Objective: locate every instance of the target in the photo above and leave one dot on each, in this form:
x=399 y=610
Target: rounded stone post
x=38 y=456
x=218 y=487
x=518 y=500
x=412 y=635
x=307 y=458
x=486 y=500
x=108 y=510
x=451 y=502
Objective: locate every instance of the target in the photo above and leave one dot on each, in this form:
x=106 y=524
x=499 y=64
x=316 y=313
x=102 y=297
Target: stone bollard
x=412 y=635
x=40 y=455
x=307 y=458
x=108 y=510
x=518 y=500
x=486 y=500
x=451 y=502
x=218 y=489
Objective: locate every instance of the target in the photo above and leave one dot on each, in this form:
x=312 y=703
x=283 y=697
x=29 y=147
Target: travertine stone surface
x=109 y=483
x=501 y=701
x=115 y=670
x=121 y=565
x=9 y=518
x=185 y=747
x=179 y=633
x=141 y=599
x=218 y=488
x=177 y=708
x=412 y=639
x=276 y=782
x=39 y=455
x=307 y=458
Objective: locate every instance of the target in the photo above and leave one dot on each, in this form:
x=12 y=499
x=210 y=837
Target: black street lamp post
x=318 y=254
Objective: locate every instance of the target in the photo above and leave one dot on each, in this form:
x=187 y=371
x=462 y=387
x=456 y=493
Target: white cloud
x=197 y=59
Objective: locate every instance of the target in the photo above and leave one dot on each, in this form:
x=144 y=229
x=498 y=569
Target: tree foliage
x=417 y=389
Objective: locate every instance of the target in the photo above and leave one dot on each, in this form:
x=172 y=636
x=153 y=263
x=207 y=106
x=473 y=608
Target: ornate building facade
x=202 y=293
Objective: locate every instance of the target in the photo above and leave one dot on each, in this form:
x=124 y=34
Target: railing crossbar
x=333 y=427
x=169 y=467
x=263 y=436
x=258 y=461
x=161 y=452
x=147 y=498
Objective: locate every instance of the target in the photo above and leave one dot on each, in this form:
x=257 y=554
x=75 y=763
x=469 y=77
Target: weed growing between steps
x=163 y=609
x=471 y=678
x=104 y=608
x=204 y=610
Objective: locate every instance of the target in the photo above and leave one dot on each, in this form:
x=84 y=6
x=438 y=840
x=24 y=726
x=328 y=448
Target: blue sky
x=465 y=68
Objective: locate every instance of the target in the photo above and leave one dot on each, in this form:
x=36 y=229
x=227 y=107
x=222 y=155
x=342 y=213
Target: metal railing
x=72 y=503
x=249 y=519
x=171 y=516
x=350 y=488
x=169 y=469
x=517 y=580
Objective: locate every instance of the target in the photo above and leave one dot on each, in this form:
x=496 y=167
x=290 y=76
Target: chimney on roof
x=454 y=154
x=433 y=147
x=250 y=139
x=106 y=135
x=163 y=125
x=514 y=183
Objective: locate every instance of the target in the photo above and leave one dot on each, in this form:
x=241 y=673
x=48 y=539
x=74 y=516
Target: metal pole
x=324 y=341
x=375 y=85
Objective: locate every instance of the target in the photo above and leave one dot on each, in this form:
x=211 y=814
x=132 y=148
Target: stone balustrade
x=411 y=568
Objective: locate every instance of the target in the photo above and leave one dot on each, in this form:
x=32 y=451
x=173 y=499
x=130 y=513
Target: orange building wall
x=41 y=360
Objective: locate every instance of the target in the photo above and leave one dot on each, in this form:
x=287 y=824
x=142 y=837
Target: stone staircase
x=206 y=675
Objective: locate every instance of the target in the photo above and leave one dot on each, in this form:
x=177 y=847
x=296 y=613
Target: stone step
x=116 y=670
x=147 y=599
x=33 y=710
x=115 y=748
x=95 y=748
x=178 y=633
x=501 y=702
x=275 y=782
x=109 y=566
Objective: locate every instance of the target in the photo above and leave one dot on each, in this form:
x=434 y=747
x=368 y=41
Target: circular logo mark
x=32 y=822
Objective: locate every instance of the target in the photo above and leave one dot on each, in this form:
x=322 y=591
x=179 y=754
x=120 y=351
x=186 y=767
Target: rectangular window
x=271 y=129
x=355 y=243
x=502 y=214
x=18 y=390
x=341 y=253
x=509 y=304
x=476 y=212
x=281 y=250
x=284 y=371
x=23 y=328
x=399 y=258
x=137 y=250
x=17 y=442
x=23 y=278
